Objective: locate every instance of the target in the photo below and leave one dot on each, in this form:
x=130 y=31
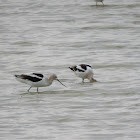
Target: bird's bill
x=60 y=82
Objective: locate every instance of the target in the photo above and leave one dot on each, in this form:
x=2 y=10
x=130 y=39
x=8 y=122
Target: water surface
x=48 y=37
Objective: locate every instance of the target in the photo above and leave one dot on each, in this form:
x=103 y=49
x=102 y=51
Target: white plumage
x=83 y=71
x=37 y=80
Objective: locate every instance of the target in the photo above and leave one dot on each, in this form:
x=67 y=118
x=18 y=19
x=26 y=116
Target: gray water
x=48 y=36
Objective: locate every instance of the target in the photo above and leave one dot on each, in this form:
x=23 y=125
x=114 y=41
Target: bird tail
x=17 y=76
x=71 y=68
x=20 y=78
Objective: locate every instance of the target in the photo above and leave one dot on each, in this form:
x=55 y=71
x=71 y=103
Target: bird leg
x=37 y=89
x=83 y=80
x=29 y=89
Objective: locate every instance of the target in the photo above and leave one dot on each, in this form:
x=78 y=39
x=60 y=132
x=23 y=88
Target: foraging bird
x=37 y=80
x=83 y=71
x=99 y=1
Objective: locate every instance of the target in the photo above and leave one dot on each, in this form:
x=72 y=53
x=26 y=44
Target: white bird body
x=83 y=71
x=36 y=80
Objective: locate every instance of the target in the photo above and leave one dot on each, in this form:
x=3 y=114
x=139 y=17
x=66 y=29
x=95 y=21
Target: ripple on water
x=48 y=37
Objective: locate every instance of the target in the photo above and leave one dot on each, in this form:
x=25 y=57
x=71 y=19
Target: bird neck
x=50 y=80
x=92 y=80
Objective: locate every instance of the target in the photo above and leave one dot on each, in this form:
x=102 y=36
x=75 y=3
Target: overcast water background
x=48 y=36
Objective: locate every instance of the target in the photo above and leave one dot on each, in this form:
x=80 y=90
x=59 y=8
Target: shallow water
x=48 y=37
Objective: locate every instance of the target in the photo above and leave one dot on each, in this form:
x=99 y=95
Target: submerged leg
x=83 y=80
x=37 y=89
x=29 y=89
x=96 y=3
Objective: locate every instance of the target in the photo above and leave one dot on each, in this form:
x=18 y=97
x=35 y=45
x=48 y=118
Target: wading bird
x=37 y=80
x=83 y=71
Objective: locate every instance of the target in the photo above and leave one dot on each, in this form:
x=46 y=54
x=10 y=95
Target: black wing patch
x=84 y=66
x=89 y=66
x=30 y=78
x=80 y=70
x=38 y=74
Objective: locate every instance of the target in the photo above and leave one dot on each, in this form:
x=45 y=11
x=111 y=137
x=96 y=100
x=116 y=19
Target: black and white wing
x=80 y=68
x=38 y=74
x=32 y=77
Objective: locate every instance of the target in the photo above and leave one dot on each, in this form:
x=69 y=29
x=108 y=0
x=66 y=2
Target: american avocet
x=83 y=71
x=99 y=1
x=37 y=80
